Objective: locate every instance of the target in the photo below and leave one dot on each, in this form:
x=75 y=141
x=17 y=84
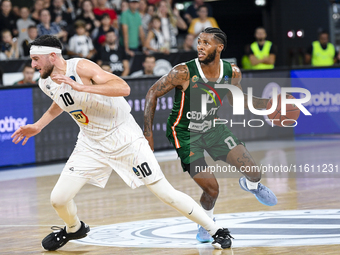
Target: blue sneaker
x=263 y=194
x=203 y=236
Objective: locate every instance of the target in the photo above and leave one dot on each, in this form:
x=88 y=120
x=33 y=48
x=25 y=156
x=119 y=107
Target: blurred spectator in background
x=22 y=24
x=106 y=67
x=146 y=18
x=170 y=22
x=102 y=8
x=197 y=25
x=155 y=40
x=113 y=54
x=32 y=33
x=60 y=15
x=191 y=11
x=47 y=4
x=9 y=45
x=116 y=5
x=7 y=18
x=86 y=14
x=132 y=29
x=262 y=52
x=48 y=28
x=246 y=64
x=35 y=12
x=124 y=6
x=321 y=52
x=148 y=67
x=28 y=73
x=80 y=44
x=151 y=10
x=98 y=34
x=188 y=44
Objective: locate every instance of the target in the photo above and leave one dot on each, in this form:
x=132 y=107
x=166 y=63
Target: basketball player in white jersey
x=109 y=138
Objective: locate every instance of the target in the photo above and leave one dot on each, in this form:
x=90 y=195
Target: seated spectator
x=60 y=16
x=155 y=40
x=35 y=12
x=143 y=12
x=22 y=24
x=32 y=35
x=321 y=52
x=98 y=34
x=132 y=29
x=102 y=8
x=170 y=22
x=28 y=73
x=48 y=28
x=8 y=20
x=9 y=45
x=113 y=54
x=148 y=67
x=197 y=25
x=188 y=44
x=80 y=44
x=86 y=14
x=191 y=11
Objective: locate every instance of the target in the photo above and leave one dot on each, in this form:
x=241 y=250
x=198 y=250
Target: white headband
x=42 y=50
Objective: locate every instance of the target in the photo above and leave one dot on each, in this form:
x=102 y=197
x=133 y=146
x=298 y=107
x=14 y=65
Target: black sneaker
x=59 y=237
x=222 y=239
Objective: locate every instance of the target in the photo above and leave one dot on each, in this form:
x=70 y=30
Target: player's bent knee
x=58 y=201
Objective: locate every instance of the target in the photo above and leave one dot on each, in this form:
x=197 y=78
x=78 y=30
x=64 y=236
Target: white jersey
x=105 y=122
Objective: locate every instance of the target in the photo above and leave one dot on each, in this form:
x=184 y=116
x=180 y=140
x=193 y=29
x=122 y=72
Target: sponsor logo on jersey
x=136 y=171
x=194 y=78
x=80 y=116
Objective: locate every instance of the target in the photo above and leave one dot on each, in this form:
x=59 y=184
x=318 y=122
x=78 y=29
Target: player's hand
x=60 y=78
x=150 y=140
x=25 y=132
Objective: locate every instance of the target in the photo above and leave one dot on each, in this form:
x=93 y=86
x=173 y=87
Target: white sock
x=183 y=204
x=210 y=213
x=252 y=185
x=74 y=227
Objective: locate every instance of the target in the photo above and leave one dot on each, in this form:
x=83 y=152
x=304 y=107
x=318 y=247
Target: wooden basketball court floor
x=26 y=214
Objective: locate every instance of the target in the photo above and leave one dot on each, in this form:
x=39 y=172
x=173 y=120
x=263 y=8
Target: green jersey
x=195 y=109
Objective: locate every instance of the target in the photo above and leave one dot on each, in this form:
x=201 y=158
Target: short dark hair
x=149 y=56
x=47 y=40
x=219 y=35
x=323 y=32
x=105 y=15
x=31 y=26
x=27 y=65
x=202 y=6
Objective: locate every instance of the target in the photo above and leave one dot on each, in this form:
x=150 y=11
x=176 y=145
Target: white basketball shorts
x=135 y=163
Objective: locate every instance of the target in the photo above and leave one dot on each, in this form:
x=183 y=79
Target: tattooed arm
x=177 y=77
x=258 y=103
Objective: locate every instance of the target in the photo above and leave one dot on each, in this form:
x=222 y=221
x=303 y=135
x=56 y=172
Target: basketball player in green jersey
x=191 y=131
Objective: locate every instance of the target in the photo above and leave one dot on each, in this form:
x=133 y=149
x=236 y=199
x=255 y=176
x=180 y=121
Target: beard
x=48 y=72
x=210 y=58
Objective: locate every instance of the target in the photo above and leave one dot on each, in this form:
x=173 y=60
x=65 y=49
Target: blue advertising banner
x=16 y=110
x=324 y=86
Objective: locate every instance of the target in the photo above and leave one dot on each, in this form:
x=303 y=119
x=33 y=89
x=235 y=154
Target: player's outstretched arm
x=177 y=77
x=27 y=131
x=258 y=103
x=106 y=84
